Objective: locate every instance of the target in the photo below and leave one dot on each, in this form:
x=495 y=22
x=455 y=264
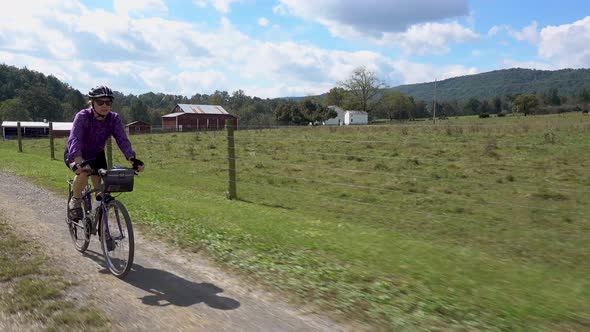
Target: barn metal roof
x=173 y=115
x=202 y=109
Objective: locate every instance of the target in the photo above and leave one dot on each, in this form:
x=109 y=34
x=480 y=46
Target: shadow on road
x=166 y=288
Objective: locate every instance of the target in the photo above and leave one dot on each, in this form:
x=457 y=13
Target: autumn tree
x=524 y=104
x=363 y=84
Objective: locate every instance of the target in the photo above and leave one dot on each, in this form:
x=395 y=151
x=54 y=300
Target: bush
x=501 y=114
x=484 y=115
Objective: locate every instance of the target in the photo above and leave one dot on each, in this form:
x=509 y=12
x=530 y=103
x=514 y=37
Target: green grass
x=33 y=288
x=469 y=224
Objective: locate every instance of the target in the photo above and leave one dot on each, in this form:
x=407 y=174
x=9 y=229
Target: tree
x=420 y=110
x=552 y=98
x=485 y=107
x=363 y=84
x=472 y=106
x=41 y=106
x=284 y=113
x=315 y=112
x=139 y=111
x=13 y=110
x=497 y=105
x=336 y=96
x=525 y=104
x=397 y=105
x=221 y=98
x=238 y=99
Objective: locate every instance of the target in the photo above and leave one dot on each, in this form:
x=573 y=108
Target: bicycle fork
x=104 y=223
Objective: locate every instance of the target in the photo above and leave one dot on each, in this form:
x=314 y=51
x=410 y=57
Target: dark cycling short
x=99 y=162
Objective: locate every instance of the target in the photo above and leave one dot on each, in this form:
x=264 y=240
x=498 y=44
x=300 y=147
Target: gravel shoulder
x=167 y=289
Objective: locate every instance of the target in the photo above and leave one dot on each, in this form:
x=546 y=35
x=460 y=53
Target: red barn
x=196 y=117
x=138 y=127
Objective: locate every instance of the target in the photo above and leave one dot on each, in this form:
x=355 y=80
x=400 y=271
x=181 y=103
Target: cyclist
x=90 y=131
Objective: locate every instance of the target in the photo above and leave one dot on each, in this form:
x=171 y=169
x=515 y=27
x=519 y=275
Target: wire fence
x=422 y=179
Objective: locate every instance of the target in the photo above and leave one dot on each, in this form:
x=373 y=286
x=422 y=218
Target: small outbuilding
x=196 y=117
x=347 y=117
x=32 y=129
x=138 y=127
x=339 y=119
x=356 y=118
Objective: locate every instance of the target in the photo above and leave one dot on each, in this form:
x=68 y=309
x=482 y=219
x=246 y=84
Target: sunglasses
x=104 y=102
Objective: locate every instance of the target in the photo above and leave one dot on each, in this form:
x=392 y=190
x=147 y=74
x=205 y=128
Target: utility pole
x=434 y=103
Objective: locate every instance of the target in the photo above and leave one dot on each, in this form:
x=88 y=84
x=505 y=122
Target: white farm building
x=344 y=117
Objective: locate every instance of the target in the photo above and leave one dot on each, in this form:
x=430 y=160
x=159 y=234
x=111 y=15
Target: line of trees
x=26 y=95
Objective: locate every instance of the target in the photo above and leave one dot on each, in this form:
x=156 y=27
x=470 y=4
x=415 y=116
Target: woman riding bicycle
x=90 y=132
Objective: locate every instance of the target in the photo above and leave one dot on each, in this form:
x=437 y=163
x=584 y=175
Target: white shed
x=356 y=118
x=339 y=119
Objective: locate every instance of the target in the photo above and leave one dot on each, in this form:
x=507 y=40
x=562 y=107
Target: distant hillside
x=502 y=82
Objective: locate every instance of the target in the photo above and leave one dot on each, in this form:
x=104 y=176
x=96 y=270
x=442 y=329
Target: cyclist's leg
x=75 y=203
x=99 y=162
x=80 y=181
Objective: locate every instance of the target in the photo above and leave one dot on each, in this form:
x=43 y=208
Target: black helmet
x=101 y=91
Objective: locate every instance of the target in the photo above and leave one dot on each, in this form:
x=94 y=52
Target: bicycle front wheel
x=116 y=237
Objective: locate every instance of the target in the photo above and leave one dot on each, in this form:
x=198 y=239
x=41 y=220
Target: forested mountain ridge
x=515 y=81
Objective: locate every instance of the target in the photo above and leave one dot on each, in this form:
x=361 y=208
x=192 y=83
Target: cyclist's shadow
x=169 y=289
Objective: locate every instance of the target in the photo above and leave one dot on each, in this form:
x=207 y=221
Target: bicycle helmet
x=101 y=91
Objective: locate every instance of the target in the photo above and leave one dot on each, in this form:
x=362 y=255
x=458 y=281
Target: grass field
x=469 y=224
x=33 y=290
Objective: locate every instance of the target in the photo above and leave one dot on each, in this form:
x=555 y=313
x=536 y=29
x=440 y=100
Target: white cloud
x=127 y=7
x=566 y=45
x=412 y=26
x=430 y=38
x=263 y=22
x=528 y=33
x=419 y=73
x=133 y=54
x=375 y=18
x=200 y=3
x=222 y=6
x=496 y=29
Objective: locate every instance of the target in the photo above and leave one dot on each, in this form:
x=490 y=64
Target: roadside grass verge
x=34 y=290
x=467 y=225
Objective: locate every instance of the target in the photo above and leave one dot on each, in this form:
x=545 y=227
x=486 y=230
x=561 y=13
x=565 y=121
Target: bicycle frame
x=97 y=220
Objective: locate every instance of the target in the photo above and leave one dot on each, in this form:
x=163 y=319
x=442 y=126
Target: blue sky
x=279 y=48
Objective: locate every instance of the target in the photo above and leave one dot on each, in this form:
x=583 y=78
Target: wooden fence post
x=20 y=137
x=110 y=152
x=231 y=158
x=51 y=142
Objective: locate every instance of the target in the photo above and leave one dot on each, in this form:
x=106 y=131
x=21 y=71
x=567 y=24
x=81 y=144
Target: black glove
x=136 y=162
x=75 y=167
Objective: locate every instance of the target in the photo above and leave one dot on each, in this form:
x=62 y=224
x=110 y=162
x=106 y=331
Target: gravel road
x=167 y=289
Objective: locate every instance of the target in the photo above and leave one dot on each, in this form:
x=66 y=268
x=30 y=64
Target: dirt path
x=166 y=290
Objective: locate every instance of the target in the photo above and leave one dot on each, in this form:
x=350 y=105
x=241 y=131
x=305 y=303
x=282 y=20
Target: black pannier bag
x=118 y=180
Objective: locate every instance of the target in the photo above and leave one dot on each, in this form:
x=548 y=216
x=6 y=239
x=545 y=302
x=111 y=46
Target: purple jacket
x=89 y=136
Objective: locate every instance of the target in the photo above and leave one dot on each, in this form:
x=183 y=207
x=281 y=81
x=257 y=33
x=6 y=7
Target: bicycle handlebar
x=101 y=171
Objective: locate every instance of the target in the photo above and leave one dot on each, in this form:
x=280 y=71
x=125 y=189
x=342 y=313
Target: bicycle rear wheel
x=116 y=238
x=79 y=230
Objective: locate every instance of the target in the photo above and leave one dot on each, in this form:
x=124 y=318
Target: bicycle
x=110 y=219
